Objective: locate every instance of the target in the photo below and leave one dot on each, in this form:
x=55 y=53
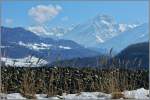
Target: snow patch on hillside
x=41 y=46
x=64 y=47
x=125 y=27
x=35 y=46
x=24 y=62
x=99 y=39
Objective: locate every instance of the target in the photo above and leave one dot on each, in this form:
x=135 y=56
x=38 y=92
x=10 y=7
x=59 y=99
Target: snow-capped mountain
x=99 y=33
x=54 y=32
x=125 y=27
x=132 y=36
x=96 y=31
x=19 y=43
x=59 y=32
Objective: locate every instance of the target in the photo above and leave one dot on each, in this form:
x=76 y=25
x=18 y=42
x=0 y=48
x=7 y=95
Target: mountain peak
x=104 y=17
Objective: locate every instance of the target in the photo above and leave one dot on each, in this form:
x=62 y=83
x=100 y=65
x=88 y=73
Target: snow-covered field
x=134 y=94
x=24 y=62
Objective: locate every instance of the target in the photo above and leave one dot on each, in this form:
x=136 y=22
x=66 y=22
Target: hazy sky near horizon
x=65 y=13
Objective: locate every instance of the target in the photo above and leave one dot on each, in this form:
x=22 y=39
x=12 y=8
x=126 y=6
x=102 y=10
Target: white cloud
x=9 y=21
x=39 y=30
x=43 y=13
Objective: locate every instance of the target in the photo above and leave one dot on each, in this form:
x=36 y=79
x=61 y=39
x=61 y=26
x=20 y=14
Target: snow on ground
x=25 y=62
x=137 y=94
x=15 y=96
x=87 y=96
x=134 y=94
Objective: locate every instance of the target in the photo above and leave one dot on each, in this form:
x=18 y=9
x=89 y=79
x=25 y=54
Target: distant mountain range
x=134 y=56
x=132 y=36
x=95 y=31
x=92 y=38
x=101 y=33
x=20 y=43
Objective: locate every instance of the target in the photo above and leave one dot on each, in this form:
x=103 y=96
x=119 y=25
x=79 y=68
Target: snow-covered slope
x=24 y=62
x=132 y=36
x=54 y=32
x=42 y=46
x=96 y=31
x=59 y=32
x=102 y=32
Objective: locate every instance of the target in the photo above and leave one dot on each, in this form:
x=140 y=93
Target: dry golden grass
x=117 y=95
x=112 y=80
x=28 y=89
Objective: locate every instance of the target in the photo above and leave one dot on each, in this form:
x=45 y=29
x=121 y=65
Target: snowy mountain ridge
x=132 y=36
x=94 y=31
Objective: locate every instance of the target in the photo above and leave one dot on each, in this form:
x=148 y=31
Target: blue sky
x=15 y=14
